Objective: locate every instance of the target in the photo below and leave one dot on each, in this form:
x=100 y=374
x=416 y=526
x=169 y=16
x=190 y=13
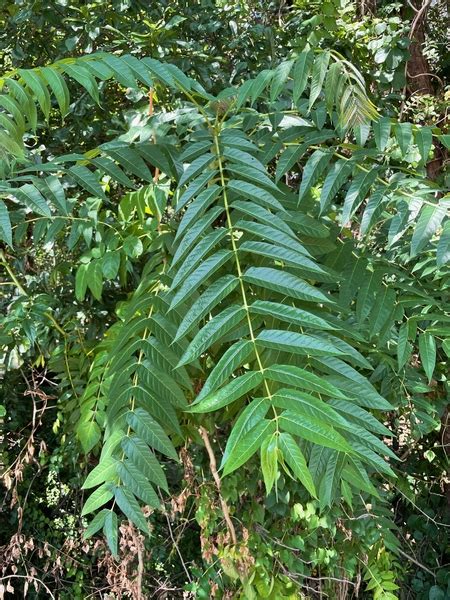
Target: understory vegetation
x=225 y=330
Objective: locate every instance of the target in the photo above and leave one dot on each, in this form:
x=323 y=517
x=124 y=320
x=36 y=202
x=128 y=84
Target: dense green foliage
x=239 y=259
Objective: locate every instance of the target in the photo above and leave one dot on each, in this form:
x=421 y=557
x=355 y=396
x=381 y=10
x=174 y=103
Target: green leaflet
x=109 y=167
x=164 y=385
x=403 y=134
x=424 y=140
x=110 y=530
x=10 y=145
x=382 y=309
x=95 y=279
x=253 y=175
x=129 y=159
x=84 y=78
x=366 y=438
x=313 y=170
x=363 y=417
x=99 y=498
x=443 y=247
x=89 y=435
x=427 y=351
x=247 y=190
x=247 y=446
x=151 y=402
x=296 y=461
x=284 y=283
x=130 y=507
x=51 y=188
x=280 y=253
x=151 y=432
x=335 y=179
x=192 y=260
x=289 y=314
x=333 y=87
x=289 y=341
x=33 y=199
x=429 y=221
x=214 y=294
x=279 y=78
x=266 y=232
x=349 y=380
x=39 y=88
x=328 y=483
x=301 y=72
x=214 y=329
x=356 y=476
x=404 y=348
x=269 y=462
x=138 y=69
x=121 y=70
x=96 y=524
x=381 y=131
x=106 y=470
x=138 y=452
x=197 y=208
x=195 y=150
x=259 y=84
x=293 y=153
x=195 y=168
x=59 y=87
x=371 y=283
x=136 y=483
x=313 y=430
x=251 y=416
x=5 y=225
x=263 y=216
x=201 y=274
x=319 y=70
x=309 y=406
x=303 y=379
x=367 y=455
x=232 y=391
x=244 y=158
x=244 y=93
x=288 y=159
x=84 y=177
x=232 y=359
x=13 y=107
x=194 y=234
x=357 y=192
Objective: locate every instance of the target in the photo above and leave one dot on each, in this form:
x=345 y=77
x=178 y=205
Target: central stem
x=238 y=267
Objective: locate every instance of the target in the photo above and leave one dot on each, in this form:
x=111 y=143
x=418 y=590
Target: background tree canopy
x=225 y=249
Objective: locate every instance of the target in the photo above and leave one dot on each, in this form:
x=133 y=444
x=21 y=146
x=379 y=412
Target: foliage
x=258 y=270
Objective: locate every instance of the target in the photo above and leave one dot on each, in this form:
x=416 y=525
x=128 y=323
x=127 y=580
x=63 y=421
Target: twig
x=28 y=577
x=416 y=562
x=215 y=474
x=150 y=114
x=174 y=542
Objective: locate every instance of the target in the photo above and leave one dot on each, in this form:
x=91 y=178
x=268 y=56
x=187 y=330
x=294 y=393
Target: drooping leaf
x=247 y=446
x=427 y=351
x=229 y=393
x=296 y=461
x=284 y=283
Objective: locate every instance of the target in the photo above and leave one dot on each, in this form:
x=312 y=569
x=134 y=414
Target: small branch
x=150 y=114
x=416 y=562
x=28 y=578
x=215 y=474
x=174 y=541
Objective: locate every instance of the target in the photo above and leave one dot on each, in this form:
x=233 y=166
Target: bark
x=367 y=7
x=419 y=80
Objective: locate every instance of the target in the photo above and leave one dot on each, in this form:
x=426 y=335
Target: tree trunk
x=418 y=76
